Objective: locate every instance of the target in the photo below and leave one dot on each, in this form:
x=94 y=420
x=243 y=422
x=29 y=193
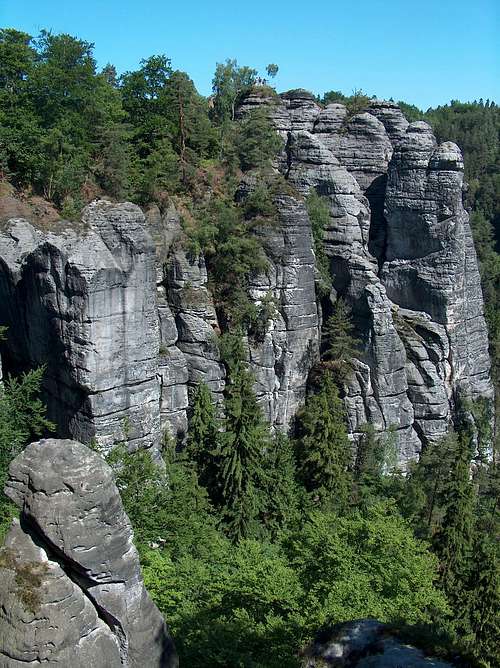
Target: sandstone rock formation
x=72 y=592
x=401 y=253
x=282 y=360
x=122 y=314
x=82 y=301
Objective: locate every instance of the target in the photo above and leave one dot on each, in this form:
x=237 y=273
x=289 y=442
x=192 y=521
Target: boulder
x=71 y=571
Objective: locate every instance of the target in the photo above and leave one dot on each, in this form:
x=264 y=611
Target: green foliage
x=428 y=480
x=233 y=253
x=167 y=507
x=355 y=103
x=257 y=143
x=236 y=608
x=272 y=70
x=203 y=440
x=341 y=346
x=482 y=601
x=375 y=474
x=282 y=494
x=230 y=82
x=453 y=541
x=364 y=566
x=243 y=442
x=319 y=215
x=324 y=450
x=22 y=417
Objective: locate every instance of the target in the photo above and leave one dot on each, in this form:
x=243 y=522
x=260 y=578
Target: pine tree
x=427 y=482
x=280 y=489
x=483 y=600
x=245 y=439
x=453 y=541
x=203 y=440
x=340 y=344
x=324 y=448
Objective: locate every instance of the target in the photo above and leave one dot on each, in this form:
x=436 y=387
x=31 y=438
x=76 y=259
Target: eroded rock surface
x=401 y=254
x=282 y=358
x=365 y=643
x=82 y=301
x=127 y=325
x=72 y=592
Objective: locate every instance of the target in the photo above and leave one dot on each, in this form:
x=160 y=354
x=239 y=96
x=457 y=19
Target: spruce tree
x=368 y=467
x=483 y=600
x=281 y=493
x=453 y=541
x=341 y=346
x=245 y=439
x=324 y=448
x=203 y=440
x=424 y=502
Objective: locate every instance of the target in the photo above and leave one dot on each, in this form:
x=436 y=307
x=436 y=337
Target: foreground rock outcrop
x=72 y=592
x=366 y=643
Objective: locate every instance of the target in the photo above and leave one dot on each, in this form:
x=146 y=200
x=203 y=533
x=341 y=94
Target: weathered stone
x=365 y=643
x=83 y=302
x=75 y=533
x=360 y=144
x=195 y=319
x=421 y=258
x=431 y=264
x=392 y=118
x=282 y=360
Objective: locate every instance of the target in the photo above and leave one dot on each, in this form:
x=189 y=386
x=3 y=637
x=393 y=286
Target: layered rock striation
x=72 y=591
x=82 y=302
x=401 y=254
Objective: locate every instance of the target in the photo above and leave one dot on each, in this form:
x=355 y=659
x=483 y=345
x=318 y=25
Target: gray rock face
x=189 y=352
x=83 y=303
x=282 y=360
x=360 y=143
x=365 y=643
x=401 y=254
x=71 y=570
x=391 y=116
x=126 y=336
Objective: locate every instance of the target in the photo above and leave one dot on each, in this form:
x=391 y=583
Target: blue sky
x=424 y=52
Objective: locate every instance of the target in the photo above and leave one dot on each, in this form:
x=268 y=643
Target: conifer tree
x=281 y=491
x=483 y=600
x=425 y=500
x=341 y=345
x=245 y=439
x=453 y=541
x=324 y=448
x=203 y=440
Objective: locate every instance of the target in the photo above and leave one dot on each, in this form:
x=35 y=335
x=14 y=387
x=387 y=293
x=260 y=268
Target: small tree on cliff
x=22 y=417
x=341 y=345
